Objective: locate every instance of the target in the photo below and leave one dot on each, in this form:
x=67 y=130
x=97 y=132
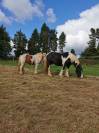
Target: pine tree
x=62 y=39
x=33 y=43
x=20 y=41
x=5 y=47
x=53 y=40
x=44 y=38
x=97 y=37
x=91 y=49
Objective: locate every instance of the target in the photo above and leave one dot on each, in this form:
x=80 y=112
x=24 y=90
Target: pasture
x=32 y=103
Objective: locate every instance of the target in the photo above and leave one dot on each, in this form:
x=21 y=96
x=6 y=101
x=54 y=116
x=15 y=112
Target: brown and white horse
x=30 y=59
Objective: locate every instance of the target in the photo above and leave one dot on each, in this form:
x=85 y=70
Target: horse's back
x=54 y=58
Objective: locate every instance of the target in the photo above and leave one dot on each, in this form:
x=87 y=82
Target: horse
x=30 y=59
x=65 y=60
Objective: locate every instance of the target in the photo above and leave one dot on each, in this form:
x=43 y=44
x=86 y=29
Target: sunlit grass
x=89 y=69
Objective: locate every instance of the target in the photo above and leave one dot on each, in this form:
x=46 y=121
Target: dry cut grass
x=39 y=104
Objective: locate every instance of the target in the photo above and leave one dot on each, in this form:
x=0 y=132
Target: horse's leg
x=18 y=67
x=19 y=63
x=67 y=72
x=61 y=72
x=21 y=68
x=63 y=67
x=49 y=72
x=36 y=67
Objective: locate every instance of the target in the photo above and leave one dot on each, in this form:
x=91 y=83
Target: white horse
x=30 y=59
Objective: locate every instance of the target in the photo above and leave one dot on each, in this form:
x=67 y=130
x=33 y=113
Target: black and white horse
x=65 y=60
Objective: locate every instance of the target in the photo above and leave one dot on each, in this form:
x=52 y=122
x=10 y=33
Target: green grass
x=8 y=62
x=89 y=69
x=12 y=63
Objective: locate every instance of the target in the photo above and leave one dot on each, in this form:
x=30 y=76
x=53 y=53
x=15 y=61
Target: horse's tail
x=19 y=63
x=45 y=64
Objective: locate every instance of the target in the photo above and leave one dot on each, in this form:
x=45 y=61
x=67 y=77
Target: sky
x=73 y=17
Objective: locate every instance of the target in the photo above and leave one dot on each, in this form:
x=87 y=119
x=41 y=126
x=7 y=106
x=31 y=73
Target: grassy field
x=89 y=68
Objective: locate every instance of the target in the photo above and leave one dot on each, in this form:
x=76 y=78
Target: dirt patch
x=39 y=104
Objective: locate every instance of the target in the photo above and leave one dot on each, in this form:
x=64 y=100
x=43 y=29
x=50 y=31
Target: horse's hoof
x=21 y=73
x=50 y=75
x=66 y=76
x=61 y=76
x=35 y=73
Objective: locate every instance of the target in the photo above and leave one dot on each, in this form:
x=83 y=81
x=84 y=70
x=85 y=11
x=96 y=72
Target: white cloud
x=77 y=30
x=4 y=18
x=51 y=17
x=24 y=9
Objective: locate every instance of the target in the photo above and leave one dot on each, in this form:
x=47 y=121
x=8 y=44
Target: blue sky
x=59 y=14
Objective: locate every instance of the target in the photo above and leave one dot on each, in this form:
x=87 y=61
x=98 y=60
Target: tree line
x=44 y=41
x=92 y=51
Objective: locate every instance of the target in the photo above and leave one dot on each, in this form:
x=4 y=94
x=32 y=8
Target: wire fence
x=90 y=57
x=90 y=60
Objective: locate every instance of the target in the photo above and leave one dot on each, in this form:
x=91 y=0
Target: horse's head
x=79 y=71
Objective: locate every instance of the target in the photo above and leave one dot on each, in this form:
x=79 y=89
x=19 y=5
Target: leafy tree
x=53 y=40
x=62 y=38
x=5 y=47
x=20 y=41
x=33 y=43
x=44 y=38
